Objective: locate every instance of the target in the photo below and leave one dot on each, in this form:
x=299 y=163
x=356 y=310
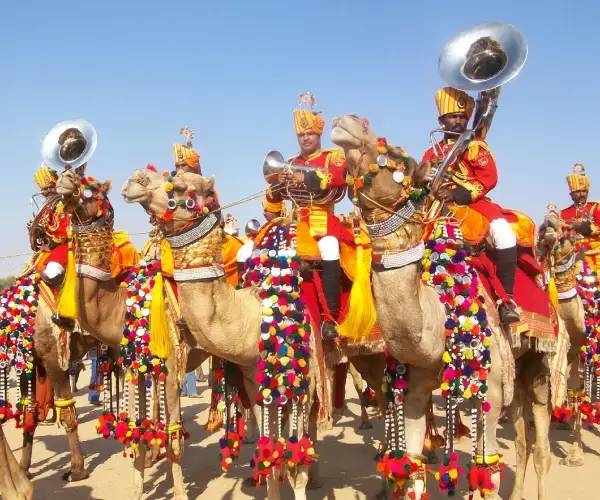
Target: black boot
x=506 y=260
x=331 y=290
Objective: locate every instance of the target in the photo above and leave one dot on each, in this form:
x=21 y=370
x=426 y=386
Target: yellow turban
x=450 y=100
x=308 y=121
x=44 y=177
x=578 y=181
x=186 y=155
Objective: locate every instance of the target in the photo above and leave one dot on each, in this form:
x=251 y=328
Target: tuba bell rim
x=52 y=151
x=453 y=58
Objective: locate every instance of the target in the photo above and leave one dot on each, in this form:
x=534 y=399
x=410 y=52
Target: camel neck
x=198 y=251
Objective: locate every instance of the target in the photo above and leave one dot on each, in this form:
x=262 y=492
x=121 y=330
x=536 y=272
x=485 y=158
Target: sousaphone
x=480 y=59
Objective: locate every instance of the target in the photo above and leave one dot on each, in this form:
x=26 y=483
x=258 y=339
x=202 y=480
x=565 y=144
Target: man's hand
x=575 y=225
x=444 y=194
x=285 y=176
x=298 y=177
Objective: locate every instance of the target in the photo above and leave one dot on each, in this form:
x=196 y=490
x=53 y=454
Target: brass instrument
x=274 y=164
x=481 y=58
x=70 y=144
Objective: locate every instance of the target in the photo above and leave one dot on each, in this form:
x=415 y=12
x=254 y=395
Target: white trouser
x=329 y=247
x=245 y=251
x=502 y=234
x=53 y=270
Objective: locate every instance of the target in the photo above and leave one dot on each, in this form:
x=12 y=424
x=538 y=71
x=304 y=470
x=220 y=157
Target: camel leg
x=173 y=417
x=253 y=432
x=542 y=412
x=61 y=383
x=314 y=481
x=575 y=456
x=14 y=483
x=358 y=382
x=420 y=386
x=27 y=449
x=518 y=415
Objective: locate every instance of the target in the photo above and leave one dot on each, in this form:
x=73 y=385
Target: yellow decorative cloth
x=44 y=177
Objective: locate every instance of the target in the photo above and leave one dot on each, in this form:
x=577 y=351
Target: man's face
x=269 y=216
x=579 y=197
x=309 y=142
x=49 y=190
x=454 y=122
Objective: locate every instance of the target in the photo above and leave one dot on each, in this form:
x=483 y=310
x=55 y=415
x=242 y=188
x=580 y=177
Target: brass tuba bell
x=70 y=144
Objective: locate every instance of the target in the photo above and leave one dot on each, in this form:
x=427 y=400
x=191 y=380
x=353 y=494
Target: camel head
x=382 y=174
x=85 y=197
x=172 y=200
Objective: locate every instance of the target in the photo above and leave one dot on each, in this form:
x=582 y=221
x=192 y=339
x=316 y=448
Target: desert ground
x=347 y=463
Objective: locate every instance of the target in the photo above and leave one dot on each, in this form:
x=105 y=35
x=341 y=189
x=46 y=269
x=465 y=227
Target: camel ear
x=107 y=186
x=80 y=171
x=207 y=183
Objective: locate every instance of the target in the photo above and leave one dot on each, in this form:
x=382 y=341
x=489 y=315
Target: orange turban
x=44 y=177
x=308 y=121
x=186 y=155
x=578 y=181
x=450 y=100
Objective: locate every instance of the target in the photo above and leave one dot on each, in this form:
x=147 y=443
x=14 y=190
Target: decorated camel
x=104 y=310
x=31 y=339
x=573 y=288
x=423 y=338
x=223 y=321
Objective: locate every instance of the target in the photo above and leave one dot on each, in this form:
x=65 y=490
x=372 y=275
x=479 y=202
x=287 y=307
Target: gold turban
x=44 y=177
x=308 y=121
x=450 y=100
x=186 y=155
x=578 y=181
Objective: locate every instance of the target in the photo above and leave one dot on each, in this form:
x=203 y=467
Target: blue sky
x=232 y=70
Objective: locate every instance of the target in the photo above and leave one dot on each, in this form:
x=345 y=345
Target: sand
x=347 y=466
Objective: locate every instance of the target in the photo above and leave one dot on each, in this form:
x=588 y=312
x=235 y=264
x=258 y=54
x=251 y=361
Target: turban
x=450 y=100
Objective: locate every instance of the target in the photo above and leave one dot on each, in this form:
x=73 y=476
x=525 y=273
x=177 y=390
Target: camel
x=223 y=321
x=559 y=254
x=412 y=318
x=101 y=312
x=46 y=353
x=14 y=483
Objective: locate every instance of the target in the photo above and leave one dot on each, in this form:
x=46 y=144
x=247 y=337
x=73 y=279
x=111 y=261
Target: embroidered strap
x=563 y=268
x=396 y=260
x=569 y=294
x=92 y=272
x=393 y=223
x=195 y=233
x=92 y=227
x=198 y=273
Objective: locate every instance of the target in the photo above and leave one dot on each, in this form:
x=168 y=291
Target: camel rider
x=325 y=227
x=583 y=217
x=53 y=222
x=472 y=178
x=186 y=158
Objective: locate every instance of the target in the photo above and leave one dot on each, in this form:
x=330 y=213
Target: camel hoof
x=572 y=461
x=365 y=426
x=382 y=495
x=249 y=482
x=74 y=475
x=314 y=484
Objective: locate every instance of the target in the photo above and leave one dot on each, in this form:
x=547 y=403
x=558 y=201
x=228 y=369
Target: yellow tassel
x=361 y=316
x=160 y=342
x=66 y=304
x=553 y=292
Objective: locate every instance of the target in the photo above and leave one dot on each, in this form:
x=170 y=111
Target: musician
x=325 y=227
x=53 y=222
x=472 y=178
x=583 y=217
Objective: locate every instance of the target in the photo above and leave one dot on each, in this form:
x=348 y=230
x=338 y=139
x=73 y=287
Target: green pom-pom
x=446 y=461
